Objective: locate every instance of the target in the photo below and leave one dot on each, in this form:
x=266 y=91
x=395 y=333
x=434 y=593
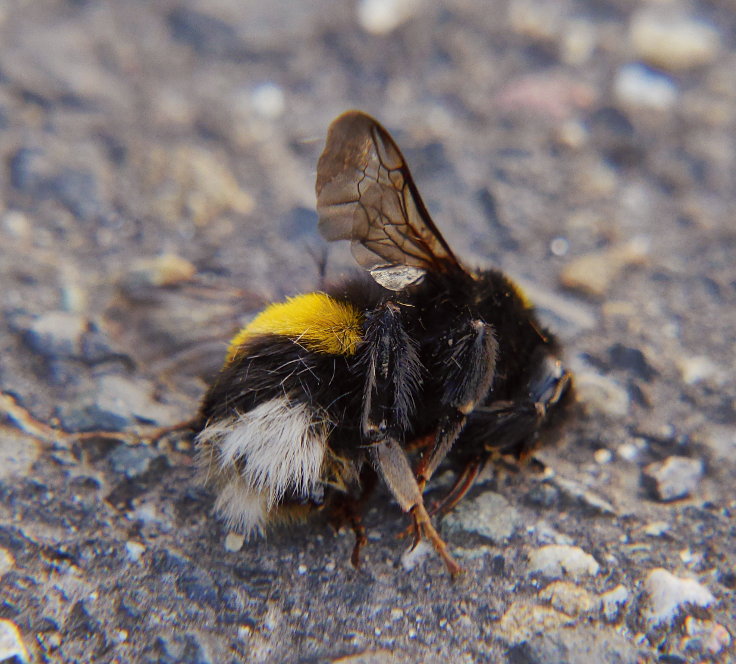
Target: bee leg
x=392 y=463
x=462 y=485
x=470 y=362
x=392 y=385
x=361 y=539
x=346 y=508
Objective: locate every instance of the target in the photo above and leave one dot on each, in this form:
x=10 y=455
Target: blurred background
x=157 y=166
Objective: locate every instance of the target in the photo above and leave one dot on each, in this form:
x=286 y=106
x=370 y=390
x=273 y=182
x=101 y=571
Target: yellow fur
x=315 y=320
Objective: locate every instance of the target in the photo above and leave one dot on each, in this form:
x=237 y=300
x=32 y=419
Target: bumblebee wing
x=366 y=194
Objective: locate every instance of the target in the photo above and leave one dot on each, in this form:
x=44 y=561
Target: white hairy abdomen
x=278 y=446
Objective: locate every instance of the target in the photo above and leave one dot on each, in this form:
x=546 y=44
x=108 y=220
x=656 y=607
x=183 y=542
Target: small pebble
x=673 y=40
x=489 y=516
x=675 y=477
x=580 y=494
x=7 y=561
x=593 y=273
x=12 y=649
x=380 y=17
x=559 y=246
x=268 y=100
x=416 y=556
x=568 y=598
x=18 y=453
x=234 y=542
x=603 y=456
x=134 y=550
x=613 y=601
x=656 y=528
x=523 y=620
x=57 y=334
x=601 y=393
x=132 y=461
x=696 y=368
x=132 y=398
x=558 y=560
x=17 y=224
x=631 y=451
x=577 y=644
x=163 y=270
x=579 y=40
x=705 y=635
x=667 y=595
x=120 y=635
x=639 y=86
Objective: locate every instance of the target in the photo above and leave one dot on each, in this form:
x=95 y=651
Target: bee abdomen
x=256 y=458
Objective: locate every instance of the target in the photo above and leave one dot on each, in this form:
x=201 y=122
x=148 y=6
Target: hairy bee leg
x=476 y=348
x=394 y=467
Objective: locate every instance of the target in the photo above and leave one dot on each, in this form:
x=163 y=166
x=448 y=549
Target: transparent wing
x=365 y=194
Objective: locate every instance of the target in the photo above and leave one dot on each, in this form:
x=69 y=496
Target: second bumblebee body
x=386 y=376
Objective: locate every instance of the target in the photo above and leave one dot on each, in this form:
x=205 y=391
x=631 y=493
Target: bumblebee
x=416 y=360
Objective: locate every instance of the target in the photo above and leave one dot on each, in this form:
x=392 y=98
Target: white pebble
x=134 y=550
x=379 y=17
x=413 y=557
x=673 y=40
x=637 y=85
x=7 y=561
x=234 y=542
x=613 y=600
x=268 y=100
x=559 y=246
x=558 y=560
x=12 y=648
x=667 y=594
x=675 y=477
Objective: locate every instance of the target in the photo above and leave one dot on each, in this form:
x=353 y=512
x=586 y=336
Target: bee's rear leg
x=391 y=461
x=345 y=508
x=460 y=488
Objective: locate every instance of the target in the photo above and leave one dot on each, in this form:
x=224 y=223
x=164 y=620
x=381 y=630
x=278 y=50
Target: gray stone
x=675 y=477
x=91 y=417
x=489 y=515
x=132 y=461
x=132 y=398
x=57 y=334
x=579 y=645
x=581 y=495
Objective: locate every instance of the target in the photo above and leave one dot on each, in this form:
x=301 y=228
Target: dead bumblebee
x=384 y=376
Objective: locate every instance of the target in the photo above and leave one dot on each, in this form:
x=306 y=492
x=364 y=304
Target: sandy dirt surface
x=157 y=165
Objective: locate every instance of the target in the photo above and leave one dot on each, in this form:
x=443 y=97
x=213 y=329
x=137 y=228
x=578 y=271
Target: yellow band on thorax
x=314 y=320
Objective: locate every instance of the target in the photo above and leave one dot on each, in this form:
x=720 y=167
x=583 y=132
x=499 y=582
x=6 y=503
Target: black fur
x=407 y=371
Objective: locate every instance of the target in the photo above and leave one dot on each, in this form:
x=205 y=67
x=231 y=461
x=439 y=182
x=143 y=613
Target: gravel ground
x=157 y=163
